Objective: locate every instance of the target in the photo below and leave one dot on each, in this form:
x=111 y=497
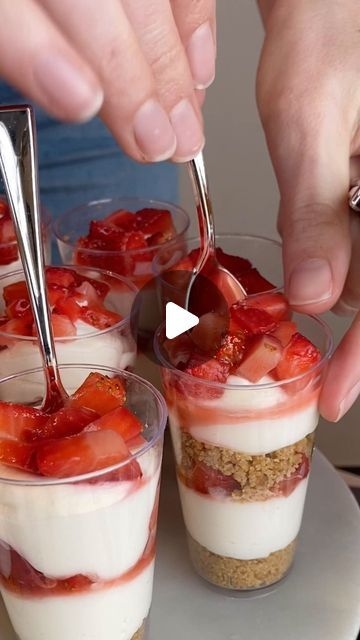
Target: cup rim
x=329 y=346
x=101 y=332
x=132 y=252
x=43 y=481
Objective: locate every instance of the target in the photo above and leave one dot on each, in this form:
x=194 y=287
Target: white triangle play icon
x=178 y=320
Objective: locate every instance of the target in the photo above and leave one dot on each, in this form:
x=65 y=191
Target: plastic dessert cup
x=243 y=454
x=113 y=347
x=258 y=255
x=77 y=553
x=136 y=263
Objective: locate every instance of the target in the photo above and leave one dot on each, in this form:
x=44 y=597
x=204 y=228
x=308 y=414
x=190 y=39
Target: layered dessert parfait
x=120 y=235
x=91 y=318
x=243 y=408
x=9 y=253
x=79 y=510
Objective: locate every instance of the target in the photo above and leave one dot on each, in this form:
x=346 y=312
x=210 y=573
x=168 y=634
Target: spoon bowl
x=19 y=168
x=207 y=264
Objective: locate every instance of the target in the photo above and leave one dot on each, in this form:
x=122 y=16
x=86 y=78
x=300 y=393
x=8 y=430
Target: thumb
x=310 y=154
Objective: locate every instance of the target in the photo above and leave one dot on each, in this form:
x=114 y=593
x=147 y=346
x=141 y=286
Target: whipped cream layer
x=244 y=426
x=243 y=530
x=110 y=614
x=95 y=529
x=109 y=349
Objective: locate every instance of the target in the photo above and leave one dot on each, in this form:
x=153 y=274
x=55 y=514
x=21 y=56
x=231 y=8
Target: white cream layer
x=243 y=530
x=98 y=530
x=109 y=349
x=111 y=614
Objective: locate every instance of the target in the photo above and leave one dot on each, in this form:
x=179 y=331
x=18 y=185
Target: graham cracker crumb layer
x=231 y=573
x=257 y=475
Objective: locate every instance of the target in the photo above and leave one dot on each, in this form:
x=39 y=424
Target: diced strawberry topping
x=86 y=294
x=254 y=282
x=67 y=421
x=235 y=264
x=99 y=393
x=62 y=326
x=80 y=454
x=15 y=291
x=61 y=277
x=252 y=320
x=67 y=306
x=122 y=218
x=20 y=309
x=207 y=480
x=262 y=357
x=285 y=331
x=207 y=368
x=298 y=357
x=232 y=349
x=17 y=454
x=20 y=422
x=120 y=420
x=8 y=246
x=99 y=317
x=101 y=287
x=16 y=327
x=275 y=304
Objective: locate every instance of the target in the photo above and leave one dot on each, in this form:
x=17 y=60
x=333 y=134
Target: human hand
x=309 y=100
x=140 y=62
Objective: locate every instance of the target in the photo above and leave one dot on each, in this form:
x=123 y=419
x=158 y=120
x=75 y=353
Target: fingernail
x=201 y=56
x=348 y=401
x=341 y=308
x=153 y=132
x=69 y=90
x=310 y=281
x=189 y=135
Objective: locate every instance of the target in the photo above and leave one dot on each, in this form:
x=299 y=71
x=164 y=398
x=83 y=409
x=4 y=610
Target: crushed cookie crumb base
x=232 y=573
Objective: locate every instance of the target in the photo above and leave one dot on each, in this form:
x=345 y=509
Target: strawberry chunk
x=17 y=454
x=286 y=486
x=16 y=327
x=122 y=218
x=232 y=349
x=20 y=422
x=254 y=282
x=207 y=480
x=235 y=264
x=87 y=294
x=79 y=454
x=101 y=287
x=68 y=307
x=252 y=320
x=67 y=421
x=99 y=393
x=298 y=357
x=61 y=277
x=55 y=294
x=99 y=317
x=261 y=358
x=285 y=331
x=120 y=420
x=208 y=369
x=155 y=221
x=62 y=326
x=275 y=304
x=20 y=308
x=15 y=291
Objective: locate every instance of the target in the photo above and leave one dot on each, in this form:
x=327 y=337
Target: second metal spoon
x=19 y=168
x=225 y=281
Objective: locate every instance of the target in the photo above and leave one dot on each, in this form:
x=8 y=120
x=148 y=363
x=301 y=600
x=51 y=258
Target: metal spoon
x=19 y=168
x=226 y=282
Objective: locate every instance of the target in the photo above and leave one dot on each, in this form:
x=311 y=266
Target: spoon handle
x=18 y=165
x=204 y=207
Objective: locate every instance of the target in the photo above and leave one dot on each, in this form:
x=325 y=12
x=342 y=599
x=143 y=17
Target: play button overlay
x=161 y=301
x=178 y=320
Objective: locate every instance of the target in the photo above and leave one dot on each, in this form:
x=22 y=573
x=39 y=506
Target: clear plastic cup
x=135 y=264
x=114 y=347
x=243 y=454
x=77 y=554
